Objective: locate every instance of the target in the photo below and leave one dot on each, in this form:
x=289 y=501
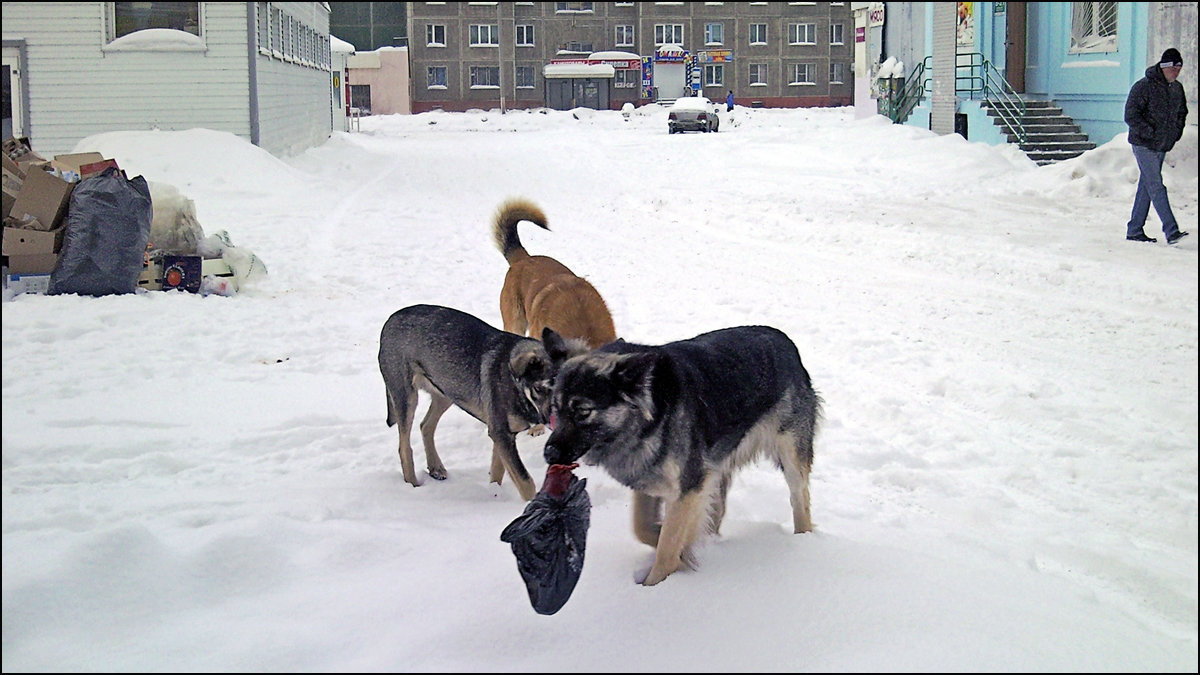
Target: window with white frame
x=287 y=36
x=714 y=75
x=485 y=35
x=277 y=32
x=624 y=36
x=758 y=33
x=525 y=77
x=130 y=17
x=837 y=34
x=668 y=34
x=837 y=73
x=758 y=74
x=802 y=34
x=435 y=35
x=1093 y=27
x=485 y=77
x=525 y=36
x=714 y=33
x=263 y=18
x=802 y=73
x=575 y=47
x=435 y=77
x=574 y=6
x=627 y=79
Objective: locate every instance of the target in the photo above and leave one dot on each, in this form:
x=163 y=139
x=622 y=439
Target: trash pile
x=78 y=224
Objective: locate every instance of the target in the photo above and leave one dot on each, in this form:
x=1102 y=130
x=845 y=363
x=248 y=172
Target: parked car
x=693 y=113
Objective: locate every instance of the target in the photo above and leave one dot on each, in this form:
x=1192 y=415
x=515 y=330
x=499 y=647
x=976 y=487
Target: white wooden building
x=259 y=70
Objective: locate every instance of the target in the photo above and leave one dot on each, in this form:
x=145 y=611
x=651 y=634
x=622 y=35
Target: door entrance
x=14 y=94
x=1014 y=47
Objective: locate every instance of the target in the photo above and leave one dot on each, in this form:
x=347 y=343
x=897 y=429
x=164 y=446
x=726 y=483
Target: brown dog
x=540 y=292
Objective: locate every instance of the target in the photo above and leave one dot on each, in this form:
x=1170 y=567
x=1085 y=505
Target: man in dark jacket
x=1155 y=112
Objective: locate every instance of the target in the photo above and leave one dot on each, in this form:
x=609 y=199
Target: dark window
x=130 y=17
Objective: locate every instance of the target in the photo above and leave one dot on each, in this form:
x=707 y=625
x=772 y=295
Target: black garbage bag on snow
x=548 y=539
x=104 y=244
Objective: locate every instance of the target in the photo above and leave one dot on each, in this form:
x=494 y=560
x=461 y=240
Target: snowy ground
x=1006 y=478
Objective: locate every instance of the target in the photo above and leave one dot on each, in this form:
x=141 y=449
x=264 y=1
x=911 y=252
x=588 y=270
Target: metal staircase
x=1050 y=136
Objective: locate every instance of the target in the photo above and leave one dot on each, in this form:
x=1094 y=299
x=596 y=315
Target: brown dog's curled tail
x=504 y=228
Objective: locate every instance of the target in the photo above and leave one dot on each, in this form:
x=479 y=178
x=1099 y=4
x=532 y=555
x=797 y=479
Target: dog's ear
x=529 y=364
x=559 y=348
x=633 y=376
x=556 y=346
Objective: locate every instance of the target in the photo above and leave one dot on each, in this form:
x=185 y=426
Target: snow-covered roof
x=339 y=45
x=613 y=56
x=578 y=70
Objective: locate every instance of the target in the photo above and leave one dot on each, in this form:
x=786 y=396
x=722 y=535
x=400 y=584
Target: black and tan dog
x=501 y=379
x=674 y=422
x=540 y=292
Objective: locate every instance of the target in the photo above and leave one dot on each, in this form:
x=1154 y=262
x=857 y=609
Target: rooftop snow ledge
x=157 y=40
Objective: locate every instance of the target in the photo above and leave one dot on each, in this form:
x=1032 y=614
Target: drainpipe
x=252 y=69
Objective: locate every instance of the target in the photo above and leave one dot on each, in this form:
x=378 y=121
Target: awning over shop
x=581 y=70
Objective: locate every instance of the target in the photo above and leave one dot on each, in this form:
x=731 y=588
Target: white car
x=693 y=113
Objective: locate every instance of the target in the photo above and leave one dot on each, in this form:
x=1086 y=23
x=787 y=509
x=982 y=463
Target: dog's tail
x=504 y=229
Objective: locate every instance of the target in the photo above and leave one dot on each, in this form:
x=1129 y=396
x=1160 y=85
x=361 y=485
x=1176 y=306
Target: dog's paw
x=437 y=474
x=537 y=430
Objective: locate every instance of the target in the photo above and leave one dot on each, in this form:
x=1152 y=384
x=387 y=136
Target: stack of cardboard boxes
x=37 y=193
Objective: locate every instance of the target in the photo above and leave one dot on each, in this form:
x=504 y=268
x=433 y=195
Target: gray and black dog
x=499 y=378
x=674 y=422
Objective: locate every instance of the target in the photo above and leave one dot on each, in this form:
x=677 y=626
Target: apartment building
x=604 y=54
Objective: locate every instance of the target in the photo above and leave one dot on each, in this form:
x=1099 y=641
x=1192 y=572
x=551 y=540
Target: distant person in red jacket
x=1155 y=111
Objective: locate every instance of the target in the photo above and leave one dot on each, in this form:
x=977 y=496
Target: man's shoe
x=1179 y=234
x=1141 y=236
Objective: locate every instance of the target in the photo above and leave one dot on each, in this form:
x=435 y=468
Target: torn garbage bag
x=548 y=539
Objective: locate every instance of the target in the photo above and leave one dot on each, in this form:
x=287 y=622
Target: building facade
x=259 y=70
x=467 y=55
x=1082 y=56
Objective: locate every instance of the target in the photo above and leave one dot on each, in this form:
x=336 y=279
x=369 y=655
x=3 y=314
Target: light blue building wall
x=1091 y=87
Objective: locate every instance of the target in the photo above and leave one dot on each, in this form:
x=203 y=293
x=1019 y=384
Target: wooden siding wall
x=77 y=89
x=295 y=104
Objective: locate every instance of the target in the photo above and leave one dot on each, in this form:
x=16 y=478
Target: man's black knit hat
x=1171 y=58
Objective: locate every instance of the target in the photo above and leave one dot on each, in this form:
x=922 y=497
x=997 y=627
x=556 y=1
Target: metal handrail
x=982 y=78
x=910 y=95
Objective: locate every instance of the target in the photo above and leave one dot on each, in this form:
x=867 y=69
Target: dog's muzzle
x=553 y=454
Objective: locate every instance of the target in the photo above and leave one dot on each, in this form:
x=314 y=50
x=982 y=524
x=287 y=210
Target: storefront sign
x=875 y=14
x=715 y=56
x=860 y=34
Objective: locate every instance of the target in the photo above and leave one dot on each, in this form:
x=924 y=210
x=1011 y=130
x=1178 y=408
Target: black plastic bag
x=548 y=539
x=104 y=245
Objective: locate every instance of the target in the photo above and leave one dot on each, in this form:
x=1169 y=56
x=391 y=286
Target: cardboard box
x=42 y=263
x=27 y=283
x=11 y=165
x=24 y=241
x=89 y=170
x=43 y=196
x=181 y=272
x=73 y=161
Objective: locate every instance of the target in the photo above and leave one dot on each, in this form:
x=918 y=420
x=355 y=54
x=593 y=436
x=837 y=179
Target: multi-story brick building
x=603 y=54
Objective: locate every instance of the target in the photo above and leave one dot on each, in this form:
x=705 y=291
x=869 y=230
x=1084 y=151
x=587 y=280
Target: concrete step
x=1064 y=136
x=1048 y=156
x=1049 y=146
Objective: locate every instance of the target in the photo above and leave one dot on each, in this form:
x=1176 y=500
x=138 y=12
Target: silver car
x=693 y=113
